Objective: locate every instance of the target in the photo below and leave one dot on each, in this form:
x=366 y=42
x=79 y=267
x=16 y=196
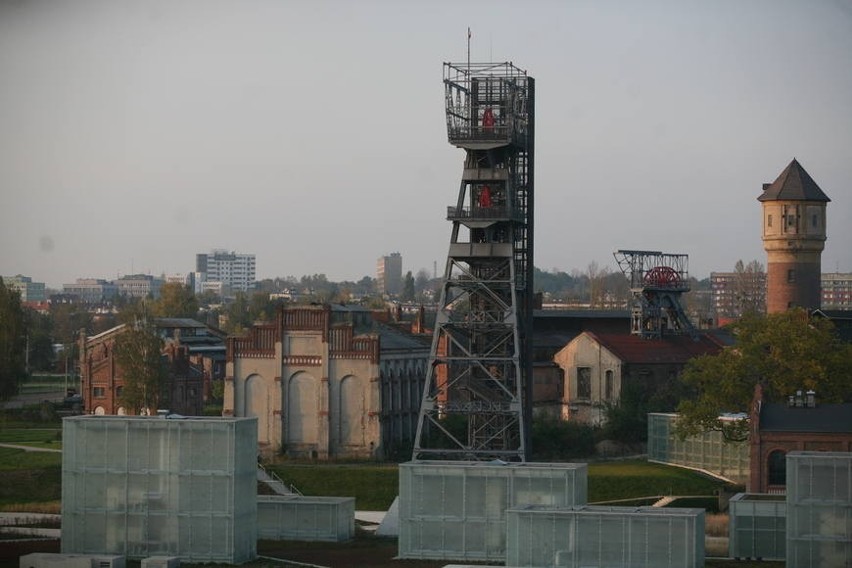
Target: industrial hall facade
x=328 y=382
x=193 y=354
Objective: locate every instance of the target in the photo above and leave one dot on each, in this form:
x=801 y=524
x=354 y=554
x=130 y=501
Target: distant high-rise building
x=794 y=234
x=30 y=291
x=236 y=272
x=837 y=291
x=389 y=274
x=735 y=293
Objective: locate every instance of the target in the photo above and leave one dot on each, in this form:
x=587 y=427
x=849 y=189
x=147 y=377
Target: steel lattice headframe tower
x=657 y=283
x=476 y=400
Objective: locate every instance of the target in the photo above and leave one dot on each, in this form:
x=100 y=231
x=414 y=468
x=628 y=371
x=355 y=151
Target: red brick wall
x=804 y=291
x=767 y=442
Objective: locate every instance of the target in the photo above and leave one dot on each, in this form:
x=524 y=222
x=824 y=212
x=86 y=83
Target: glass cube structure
x=282 y=517
x=611 y=537
x=819 y=509
x=707 y=452
x=154 y=486
x=452 y=510
x=757 y=526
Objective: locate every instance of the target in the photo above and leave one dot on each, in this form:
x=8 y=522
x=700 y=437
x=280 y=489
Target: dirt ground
x=11 y=551
x=363 y=552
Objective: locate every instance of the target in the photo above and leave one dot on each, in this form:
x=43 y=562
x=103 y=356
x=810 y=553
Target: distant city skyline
x=312 y=134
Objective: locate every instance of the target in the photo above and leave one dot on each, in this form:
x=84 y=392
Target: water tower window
x=791 y=275
x=769 y=220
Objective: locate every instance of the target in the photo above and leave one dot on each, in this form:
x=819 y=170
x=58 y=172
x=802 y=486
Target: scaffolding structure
x=476 y=402
x=657 y=282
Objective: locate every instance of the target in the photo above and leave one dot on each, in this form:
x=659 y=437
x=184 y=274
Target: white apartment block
x=235 y=271
x=837 y=291
x=30 y=291
x=736 y=293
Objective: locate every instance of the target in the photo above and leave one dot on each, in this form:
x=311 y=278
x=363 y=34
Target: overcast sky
x=135 y=134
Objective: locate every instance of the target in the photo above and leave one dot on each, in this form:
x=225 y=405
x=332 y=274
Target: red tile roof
x=669 y=349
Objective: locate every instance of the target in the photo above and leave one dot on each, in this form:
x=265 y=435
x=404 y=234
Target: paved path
x=32 y=399
x=9 y=522
x=30 y=448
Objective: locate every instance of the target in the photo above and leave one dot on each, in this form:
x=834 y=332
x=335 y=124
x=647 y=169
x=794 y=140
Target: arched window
x=776 y=466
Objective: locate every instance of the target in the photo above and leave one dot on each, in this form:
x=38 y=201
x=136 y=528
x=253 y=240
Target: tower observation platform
x=476 y=401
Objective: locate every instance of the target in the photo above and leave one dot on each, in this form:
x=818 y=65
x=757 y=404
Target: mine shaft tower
x=476 y=400
x=657 y=282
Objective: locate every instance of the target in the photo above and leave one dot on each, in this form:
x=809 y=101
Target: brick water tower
x=793 y=236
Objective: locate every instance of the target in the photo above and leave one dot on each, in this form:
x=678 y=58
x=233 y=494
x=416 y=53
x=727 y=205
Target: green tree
x=783 y=352
x=68 y=320
x=138 y=354
x=554 y=439
x=237 y=314
x=13 y=341
x=262 y=308
x=176 y=301
x=39 y=340
x=408 y=287
x=627 y=420
x=131 y=310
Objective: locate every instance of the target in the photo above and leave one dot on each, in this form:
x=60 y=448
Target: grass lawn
x=35 y=476
x=37 y=437
x=30 y=481
x=609 y=481
x=375 y=486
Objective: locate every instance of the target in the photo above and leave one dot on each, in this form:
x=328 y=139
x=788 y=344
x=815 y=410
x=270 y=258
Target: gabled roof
x=823 y=418
x=842 y=320
x=835 y=315
x=393 y=339
x=794 y=184
x=633 y=349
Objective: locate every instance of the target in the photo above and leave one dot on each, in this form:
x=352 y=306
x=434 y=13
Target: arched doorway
x=351 y=412
x=257 y=405
x=302 y=420
x=776 y=468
